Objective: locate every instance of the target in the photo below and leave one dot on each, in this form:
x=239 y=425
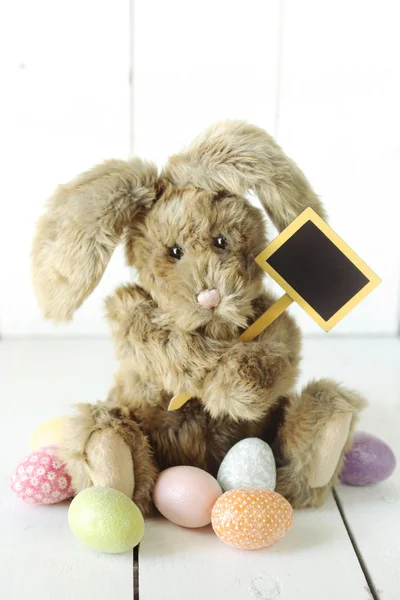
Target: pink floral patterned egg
x=41 y=478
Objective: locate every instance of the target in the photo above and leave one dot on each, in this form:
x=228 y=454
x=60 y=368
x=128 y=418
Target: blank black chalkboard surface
x=317 y=269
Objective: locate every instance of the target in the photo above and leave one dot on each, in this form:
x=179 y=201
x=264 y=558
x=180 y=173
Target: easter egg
x=41 y=478
x=186 y=495
x=106 y=520
x=368 y=461
x=251 y=518
x=249 y=463
x=49 y=433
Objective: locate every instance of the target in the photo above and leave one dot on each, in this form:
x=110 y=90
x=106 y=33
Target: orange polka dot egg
x=251 y=518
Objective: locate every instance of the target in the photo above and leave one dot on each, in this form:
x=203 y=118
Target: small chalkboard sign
x=317 y=269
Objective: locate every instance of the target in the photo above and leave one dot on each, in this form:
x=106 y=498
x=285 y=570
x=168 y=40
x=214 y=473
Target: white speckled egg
x=249 y=463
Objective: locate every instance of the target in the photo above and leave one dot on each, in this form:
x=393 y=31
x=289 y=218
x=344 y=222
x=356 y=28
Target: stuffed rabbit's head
x=194 y=251
x=190 y=232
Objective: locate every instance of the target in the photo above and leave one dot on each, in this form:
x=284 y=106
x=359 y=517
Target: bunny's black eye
x=221 y=241
x=176 y=252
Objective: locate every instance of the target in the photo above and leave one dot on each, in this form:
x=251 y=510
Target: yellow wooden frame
x=310 y=215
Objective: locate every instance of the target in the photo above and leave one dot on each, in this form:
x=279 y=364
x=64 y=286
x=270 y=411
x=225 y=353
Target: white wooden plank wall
x=204 y=61
x=339 y=118
x=64 y=107
x=322 y=76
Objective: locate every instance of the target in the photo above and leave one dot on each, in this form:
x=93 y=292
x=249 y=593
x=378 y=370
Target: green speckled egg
x=106 y=520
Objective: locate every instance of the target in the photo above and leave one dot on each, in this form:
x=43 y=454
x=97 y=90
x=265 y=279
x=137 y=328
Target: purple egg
x=368 y=461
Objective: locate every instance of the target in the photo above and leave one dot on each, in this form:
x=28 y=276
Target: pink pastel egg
x=186 y=495
x=41 y=478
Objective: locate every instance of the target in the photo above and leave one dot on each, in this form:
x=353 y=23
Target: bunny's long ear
x=82 y=225
x=238 y=157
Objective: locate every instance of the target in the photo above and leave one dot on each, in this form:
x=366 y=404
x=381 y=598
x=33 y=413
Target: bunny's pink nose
x=209 y=299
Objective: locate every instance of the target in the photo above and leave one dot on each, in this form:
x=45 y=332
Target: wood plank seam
x=372 y=589
x=136 y=572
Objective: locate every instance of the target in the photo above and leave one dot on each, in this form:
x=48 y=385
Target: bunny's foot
x=313 y=440
x=103 y=446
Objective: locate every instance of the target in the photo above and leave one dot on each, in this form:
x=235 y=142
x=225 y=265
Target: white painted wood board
x=39 y=557
x=373 y=512
x=304 y=565
x=41 y=379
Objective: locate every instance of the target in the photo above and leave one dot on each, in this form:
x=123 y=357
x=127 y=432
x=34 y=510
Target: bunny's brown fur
x=165 y=341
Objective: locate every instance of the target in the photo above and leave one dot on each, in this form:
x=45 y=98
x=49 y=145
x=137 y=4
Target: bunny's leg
x=312 y=441
x=103 y=446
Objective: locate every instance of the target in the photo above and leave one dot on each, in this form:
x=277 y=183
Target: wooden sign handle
x=179 y=400
x=266 y=319
x=252 y=332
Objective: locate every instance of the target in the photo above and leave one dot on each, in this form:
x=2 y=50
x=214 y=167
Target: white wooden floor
x=40 y=559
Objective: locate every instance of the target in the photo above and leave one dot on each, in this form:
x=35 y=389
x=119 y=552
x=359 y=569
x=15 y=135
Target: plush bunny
x=192 y=237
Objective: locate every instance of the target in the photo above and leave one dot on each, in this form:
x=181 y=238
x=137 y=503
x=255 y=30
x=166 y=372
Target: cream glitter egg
x=49 y=433
x=251 y=518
